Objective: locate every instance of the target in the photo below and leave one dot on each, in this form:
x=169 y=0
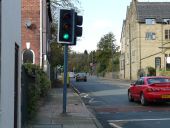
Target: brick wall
x=31 y=11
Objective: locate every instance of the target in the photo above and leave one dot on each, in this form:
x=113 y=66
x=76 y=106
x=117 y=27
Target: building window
x=157 y=62
x=150 y=36
x=122 y=64
x=28 y=56
x=150 y=21
x=167 y=34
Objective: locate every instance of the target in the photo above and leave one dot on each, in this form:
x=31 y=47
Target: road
x=108 y=101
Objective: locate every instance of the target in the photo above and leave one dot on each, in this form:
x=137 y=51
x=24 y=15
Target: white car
x=81 y=77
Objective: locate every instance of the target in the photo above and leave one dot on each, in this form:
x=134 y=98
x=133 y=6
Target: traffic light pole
x=65 y=78
x=69 y=28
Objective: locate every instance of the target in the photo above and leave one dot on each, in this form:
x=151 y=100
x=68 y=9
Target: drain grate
x=46 y=126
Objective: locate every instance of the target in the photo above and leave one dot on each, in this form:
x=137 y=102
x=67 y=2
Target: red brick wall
x=31 y=11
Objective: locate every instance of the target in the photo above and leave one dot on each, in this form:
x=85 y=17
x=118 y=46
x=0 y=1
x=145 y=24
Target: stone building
x=145 y=38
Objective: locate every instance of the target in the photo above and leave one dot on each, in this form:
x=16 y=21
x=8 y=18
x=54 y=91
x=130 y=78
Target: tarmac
x=50 y=113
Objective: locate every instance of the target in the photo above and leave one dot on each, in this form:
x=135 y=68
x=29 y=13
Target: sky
x=99 y=18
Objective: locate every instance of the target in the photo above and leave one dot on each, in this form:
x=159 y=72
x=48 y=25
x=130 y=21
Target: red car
x=150 y=89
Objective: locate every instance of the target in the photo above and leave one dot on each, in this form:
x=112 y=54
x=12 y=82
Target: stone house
x=145 y=38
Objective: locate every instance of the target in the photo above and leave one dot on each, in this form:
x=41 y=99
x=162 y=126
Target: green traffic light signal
x=66 y=36
x=66 y=26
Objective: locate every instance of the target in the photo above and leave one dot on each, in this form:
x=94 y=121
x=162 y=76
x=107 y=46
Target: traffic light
x=66 y=26
x=78 y=21
x=69 y=27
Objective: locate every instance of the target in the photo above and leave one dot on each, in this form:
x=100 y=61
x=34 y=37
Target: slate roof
x=156 y=10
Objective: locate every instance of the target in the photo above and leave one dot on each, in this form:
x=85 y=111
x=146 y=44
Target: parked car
x=81 y=77
x=150 y=89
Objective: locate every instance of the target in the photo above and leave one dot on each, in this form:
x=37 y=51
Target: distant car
x=150 y=89
x=81 y=77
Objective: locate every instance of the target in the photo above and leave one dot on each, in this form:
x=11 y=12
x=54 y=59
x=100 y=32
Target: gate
x=24 y=89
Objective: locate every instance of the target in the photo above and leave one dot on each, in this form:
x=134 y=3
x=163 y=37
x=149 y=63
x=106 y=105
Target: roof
x=156 y=10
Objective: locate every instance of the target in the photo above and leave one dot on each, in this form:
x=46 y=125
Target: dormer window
x=166 y=21
x=150 y=21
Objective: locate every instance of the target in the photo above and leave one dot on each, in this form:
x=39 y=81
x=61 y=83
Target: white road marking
x=85 y=95
x=91 y=100
x=114 y=125
x=133 y=120
x=112 y=122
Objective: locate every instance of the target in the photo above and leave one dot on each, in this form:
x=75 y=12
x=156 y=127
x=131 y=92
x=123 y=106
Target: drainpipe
x=140 y=54
x=130 y=52
x=163 y=52
x=41 y=41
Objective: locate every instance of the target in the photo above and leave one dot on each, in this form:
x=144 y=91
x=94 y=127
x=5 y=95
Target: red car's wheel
x=130 y=97
x=143 y=100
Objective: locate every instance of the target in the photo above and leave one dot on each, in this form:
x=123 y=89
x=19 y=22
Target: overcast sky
x=99 y=18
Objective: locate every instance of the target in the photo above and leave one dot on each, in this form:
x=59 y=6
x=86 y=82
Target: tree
x=55 y=5
x=106 y=48
x=56 y=54
x=66 y=4
x=78 y=62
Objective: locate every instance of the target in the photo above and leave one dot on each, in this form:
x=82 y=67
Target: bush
x=141 y=73
x=164 y=72
x=43 y=82
x=38 y=86
x=33 y=97
x=151 y=71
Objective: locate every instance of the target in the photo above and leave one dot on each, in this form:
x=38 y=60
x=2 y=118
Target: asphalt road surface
x=108 y=101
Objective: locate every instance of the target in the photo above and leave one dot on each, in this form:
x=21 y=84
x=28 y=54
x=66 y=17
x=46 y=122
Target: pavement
x=50 y=113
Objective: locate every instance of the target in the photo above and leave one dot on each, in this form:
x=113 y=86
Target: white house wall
x=10 y=34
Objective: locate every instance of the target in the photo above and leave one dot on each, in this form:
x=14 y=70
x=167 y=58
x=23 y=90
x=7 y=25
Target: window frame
x=150 y=36
x=157 y=60
x=167 y=34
